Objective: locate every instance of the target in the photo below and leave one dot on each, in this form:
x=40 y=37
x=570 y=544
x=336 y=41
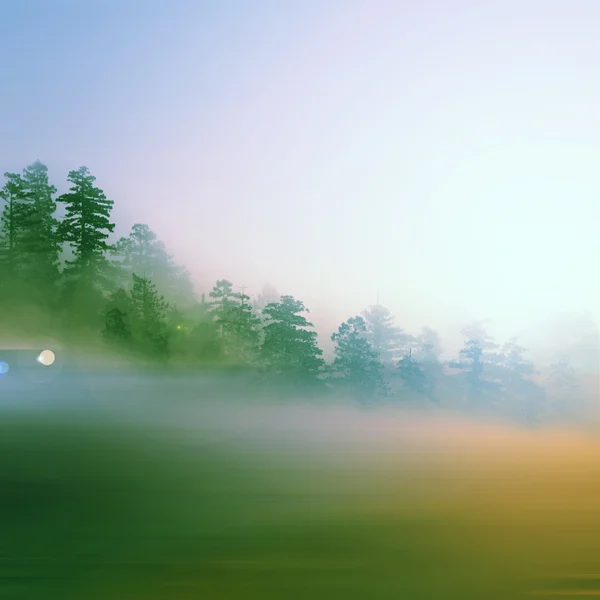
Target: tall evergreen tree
x=14 y=214
x=477 y=361
x=237 y=322
x=148 y=317
x=290 y=345
x=521 y=394
x=413 y=376
x=426 y=353
x=470 y=362
x=39 y=241
x=221 y=305
x=86 y=226
x=388 y=340
x=427 y=346
x=143 y=253
x=244 y=325
x=86 y=229
x=357 y=368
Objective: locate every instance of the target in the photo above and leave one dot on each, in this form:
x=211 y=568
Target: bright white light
x=46 y=358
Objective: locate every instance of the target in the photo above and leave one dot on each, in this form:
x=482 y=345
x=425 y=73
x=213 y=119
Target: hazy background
x=444 y=153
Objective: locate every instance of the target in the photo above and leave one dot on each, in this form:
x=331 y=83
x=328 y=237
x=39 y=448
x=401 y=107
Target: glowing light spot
x=178 y=326
x=3 y=368
x=46 y=358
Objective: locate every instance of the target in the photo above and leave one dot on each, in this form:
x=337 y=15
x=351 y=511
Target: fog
x=170 y=488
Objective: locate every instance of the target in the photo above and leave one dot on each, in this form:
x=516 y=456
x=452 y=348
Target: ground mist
x=175 y=490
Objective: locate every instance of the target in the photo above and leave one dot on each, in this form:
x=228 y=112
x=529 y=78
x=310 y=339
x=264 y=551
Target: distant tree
x=427 y=351
x=148 y=317
x=386 y=339
x=143 y=253
x=221 y=306
x=268 y=295
x=514 y=372
x=289 y=346
x=177 y=319
x=477 y=331
x=237 y=322
x=243 y=323
x=180 y=325
x=475 y=360
x=140 y=251
x=420 y=376
x=412 y=374
x=514 y=367
x=204 y=344
x=357 y=368
x=427 y=346
x=471 y=361
x=117 y=328
x=13 y=219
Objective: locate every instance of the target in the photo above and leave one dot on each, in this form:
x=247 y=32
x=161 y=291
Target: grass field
x=233 y=499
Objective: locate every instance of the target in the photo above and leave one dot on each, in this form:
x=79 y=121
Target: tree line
x=61 y=273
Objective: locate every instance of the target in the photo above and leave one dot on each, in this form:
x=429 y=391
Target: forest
x=64 y=275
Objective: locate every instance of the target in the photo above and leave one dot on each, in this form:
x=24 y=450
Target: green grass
x=93 y=508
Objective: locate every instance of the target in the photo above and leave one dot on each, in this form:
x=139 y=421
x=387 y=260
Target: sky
x=440 y=154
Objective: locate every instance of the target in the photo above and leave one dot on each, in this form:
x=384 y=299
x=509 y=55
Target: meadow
x=162 y=489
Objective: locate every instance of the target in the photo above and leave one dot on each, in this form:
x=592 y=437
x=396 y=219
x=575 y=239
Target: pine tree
x=117 y=327
x=414 y=376
x=386 y=339
x=143 y=253
x=522 y=396
x=426 y=352
x=356 y=367
x=477 y=361
x=470 y=361
x=513 y=363
x=38 y=239
x=289 y=346
x=140 y=251
x=477 y=332
x=86 y=227
x=223 y=301
x=237 y=322
x=427 y=347
x=244 y=325
x=13 y=219
x=148 y=317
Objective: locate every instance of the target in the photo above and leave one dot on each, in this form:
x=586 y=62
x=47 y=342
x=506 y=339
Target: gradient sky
x=446 y=153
